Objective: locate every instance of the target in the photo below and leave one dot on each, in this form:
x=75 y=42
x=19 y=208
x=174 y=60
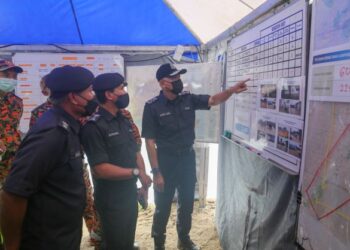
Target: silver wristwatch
x=135 y=172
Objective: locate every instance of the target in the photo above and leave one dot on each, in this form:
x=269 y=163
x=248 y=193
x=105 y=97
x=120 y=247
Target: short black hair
x=57 y=101
x=101 y=95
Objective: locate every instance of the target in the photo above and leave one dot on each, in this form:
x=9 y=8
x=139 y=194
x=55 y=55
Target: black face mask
x=177 y=86
x=123 y=101
x=90 y=107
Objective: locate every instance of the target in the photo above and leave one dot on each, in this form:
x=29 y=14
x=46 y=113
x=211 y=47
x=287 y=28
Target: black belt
x=177 y=150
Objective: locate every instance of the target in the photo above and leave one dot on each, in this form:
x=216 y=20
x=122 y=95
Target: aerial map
x=335 y=29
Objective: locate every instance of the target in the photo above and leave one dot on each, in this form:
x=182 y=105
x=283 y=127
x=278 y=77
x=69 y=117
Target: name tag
x=113 y=134
x=77 y=154
x=165 y=114
x=187 y=108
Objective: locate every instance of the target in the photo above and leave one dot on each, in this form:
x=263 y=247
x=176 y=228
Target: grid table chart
x=277 y=53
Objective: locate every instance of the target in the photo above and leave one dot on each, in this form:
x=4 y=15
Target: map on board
x=201 y=78
x=268 y=117
x=326 y=178
x=333 y=23
x=37 y=65
x=330 y=44
x=324 y=219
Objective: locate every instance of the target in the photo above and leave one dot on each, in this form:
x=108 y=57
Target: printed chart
x=268 y=118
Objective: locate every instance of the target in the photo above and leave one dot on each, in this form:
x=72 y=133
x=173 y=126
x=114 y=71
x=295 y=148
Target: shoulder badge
x=185 y=93
x=94 y=118
x=154 y=99
x=64 y=124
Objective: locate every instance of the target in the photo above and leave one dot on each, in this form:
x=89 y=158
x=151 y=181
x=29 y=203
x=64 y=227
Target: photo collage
x=289 y=140
x=283 y=96
x=266 y=130
x=281 y=134
x=268 y=96
x=290 y=102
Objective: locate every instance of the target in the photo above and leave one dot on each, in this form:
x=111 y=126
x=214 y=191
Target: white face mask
x=7 y=85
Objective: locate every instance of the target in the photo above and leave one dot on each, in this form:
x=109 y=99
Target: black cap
x=168 y=69
x=6 y=64
x=107 y=81
x=67 y=79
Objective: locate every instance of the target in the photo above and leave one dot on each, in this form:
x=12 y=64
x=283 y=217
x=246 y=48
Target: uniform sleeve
x=35 y=158
x=200 y=101
x=94 y=144
x=149 y=125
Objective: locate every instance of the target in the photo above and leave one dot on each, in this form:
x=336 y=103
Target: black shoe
x=159 y=247
x=186 y=244
x=159 y=244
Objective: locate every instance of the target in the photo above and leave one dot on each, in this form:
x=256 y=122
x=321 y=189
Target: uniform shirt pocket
x=188 y=115
x=168 y=121
x=114 y=139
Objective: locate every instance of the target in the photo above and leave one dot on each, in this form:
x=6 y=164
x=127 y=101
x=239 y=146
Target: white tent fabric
x=207 y=18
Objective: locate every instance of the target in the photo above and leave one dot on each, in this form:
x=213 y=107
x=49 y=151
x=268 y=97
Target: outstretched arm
x=224 y=95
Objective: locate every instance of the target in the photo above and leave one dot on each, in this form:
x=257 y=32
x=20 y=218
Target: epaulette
x=154 y=99
x=64 y=124
x=94 y=118
x=185 y=93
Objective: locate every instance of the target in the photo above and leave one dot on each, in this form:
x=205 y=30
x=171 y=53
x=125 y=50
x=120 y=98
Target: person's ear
x=109 y=95
x=72 y=98
x=45 y=91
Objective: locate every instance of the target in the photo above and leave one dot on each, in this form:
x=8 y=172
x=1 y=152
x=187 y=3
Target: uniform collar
x=165 y=100
x=107 y=115
x=7 y=95
x=74 y=124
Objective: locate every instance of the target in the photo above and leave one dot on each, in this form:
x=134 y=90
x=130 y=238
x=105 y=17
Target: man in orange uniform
x=11 y=109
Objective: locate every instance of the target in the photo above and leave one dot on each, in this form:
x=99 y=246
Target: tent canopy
x=122 y=22
x=103 y=22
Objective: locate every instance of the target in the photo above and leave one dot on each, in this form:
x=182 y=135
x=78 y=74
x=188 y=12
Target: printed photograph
x=282 y=143
x=269 y=90
x=263 y=102
x=271 y=103
x=296 y=135
x=295 y=107
x=291 y=92
x=294 y=149
x=284 y=106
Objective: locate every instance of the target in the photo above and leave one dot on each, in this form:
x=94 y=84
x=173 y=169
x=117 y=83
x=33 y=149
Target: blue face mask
x=7 y=85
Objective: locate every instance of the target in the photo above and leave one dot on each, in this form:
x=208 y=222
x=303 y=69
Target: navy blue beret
x=107 y=81
x=67 y=79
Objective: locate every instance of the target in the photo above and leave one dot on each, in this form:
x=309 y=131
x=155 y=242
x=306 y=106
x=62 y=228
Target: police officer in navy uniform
x=43 y=198
x=168 y=127
x=116 y=162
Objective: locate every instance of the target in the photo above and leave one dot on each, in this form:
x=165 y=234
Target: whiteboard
x=268 y=119
x=36 y=65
